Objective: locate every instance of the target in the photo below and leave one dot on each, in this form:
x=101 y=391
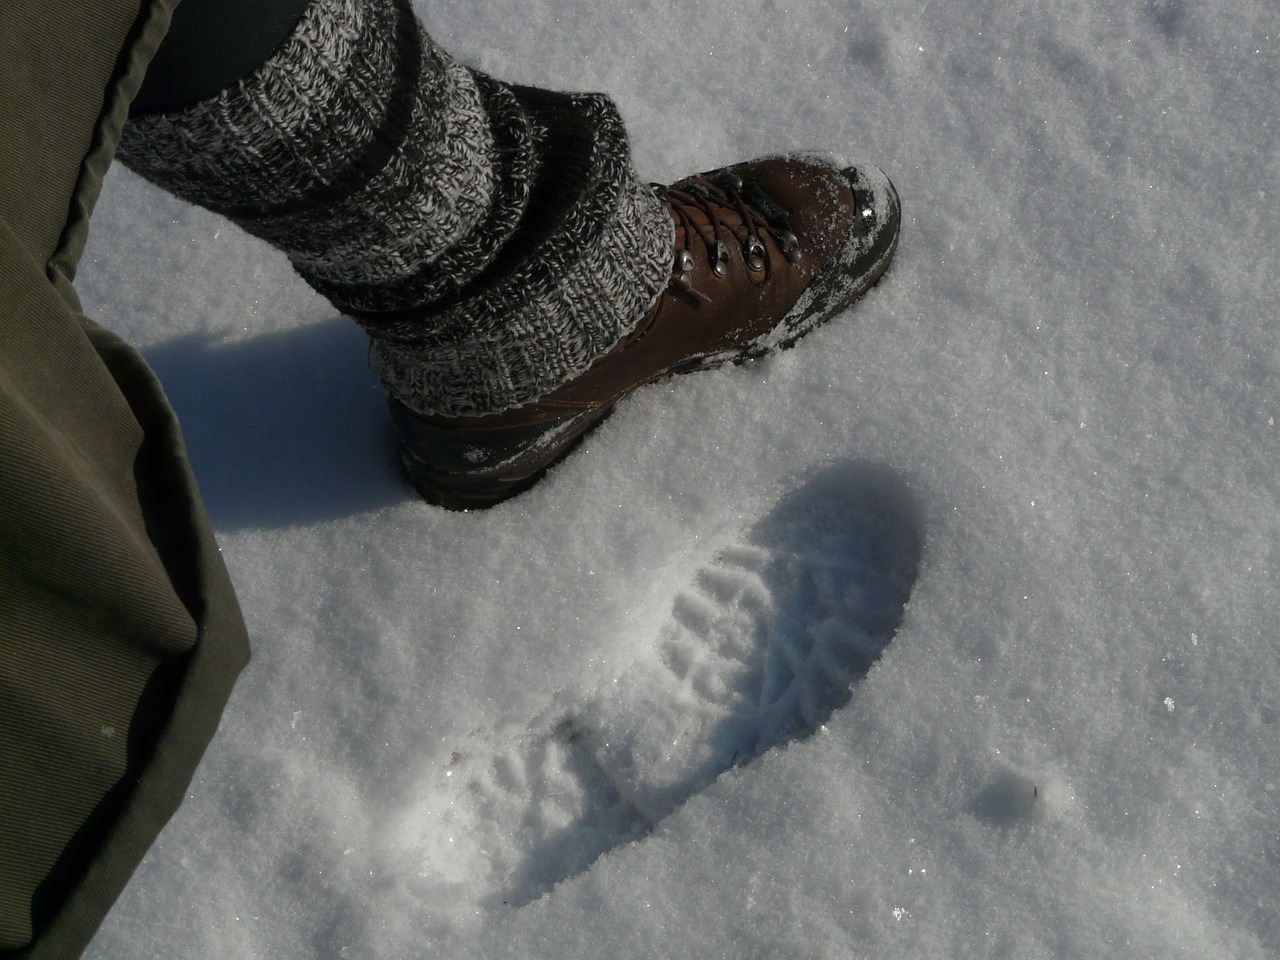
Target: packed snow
x=951 y=632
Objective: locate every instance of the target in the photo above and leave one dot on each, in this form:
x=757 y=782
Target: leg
x=516 y=277
x=119 y=633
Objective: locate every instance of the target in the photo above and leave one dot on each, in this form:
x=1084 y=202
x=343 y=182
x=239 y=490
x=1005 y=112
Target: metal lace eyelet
x=790 y=246
x=721 y=264
x=755 y=254
x=683 y=266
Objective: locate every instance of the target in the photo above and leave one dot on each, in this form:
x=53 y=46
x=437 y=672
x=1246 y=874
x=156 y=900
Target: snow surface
x=1052 y=429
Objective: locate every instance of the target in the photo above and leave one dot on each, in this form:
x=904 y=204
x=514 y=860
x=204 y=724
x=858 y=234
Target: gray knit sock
x=493 y=240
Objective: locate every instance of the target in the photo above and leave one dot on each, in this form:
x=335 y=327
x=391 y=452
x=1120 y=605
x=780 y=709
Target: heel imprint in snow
x=760 y=647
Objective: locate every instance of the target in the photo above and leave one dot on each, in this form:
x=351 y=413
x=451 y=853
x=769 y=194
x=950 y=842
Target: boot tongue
x=774 y=212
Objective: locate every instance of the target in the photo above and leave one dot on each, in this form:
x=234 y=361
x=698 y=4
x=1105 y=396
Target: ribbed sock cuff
x=580 y=273
x=493 y=240
x=359 y=148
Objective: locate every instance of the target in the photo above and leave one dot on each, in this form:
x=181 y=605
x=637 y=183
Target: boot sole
x=516 y=458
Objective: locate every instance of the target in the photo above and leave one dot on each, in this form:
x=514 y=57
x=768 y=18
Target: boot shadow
x=284 y=429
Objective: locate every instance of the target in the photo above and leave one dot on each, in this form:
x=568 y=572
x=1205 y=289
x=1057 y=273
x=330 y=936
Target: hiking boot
x=765 y=251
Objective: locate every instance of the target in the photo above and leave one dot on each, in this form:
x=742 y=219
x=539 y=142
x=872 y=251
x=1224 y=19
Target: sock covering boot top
x=492 y=239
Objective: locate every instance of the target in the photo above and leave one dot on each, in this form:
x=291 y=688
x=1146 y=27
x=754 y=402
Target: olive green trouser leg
x=120 y=637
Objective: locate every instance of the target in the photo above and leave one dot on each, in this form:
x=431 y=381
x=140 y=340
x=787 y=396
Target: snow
x=1051 y=428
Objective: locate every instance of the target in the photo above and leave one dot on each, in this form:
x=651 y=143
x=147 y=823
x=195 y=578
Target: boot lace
x=733 y=211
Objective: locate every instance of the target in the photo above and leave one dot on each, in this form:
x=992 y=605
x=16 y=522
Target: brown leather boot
x=765 y=252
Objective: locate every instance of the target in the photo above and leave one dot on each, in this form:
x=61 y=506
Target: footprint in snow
x=760 y=647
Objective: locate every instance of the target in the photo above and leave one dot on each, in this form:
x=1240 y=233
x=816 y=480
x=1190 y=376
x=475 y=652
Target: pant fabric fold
x=120 y=637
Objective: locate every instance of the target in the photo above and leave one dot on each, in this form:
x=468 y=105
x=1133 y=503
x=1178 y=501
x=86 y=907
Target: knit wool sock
x=493 y=240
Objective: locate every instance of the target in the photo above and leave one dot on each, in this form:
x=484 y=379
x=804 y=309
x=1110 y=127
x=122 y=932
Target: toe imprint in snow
x=761 y=647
